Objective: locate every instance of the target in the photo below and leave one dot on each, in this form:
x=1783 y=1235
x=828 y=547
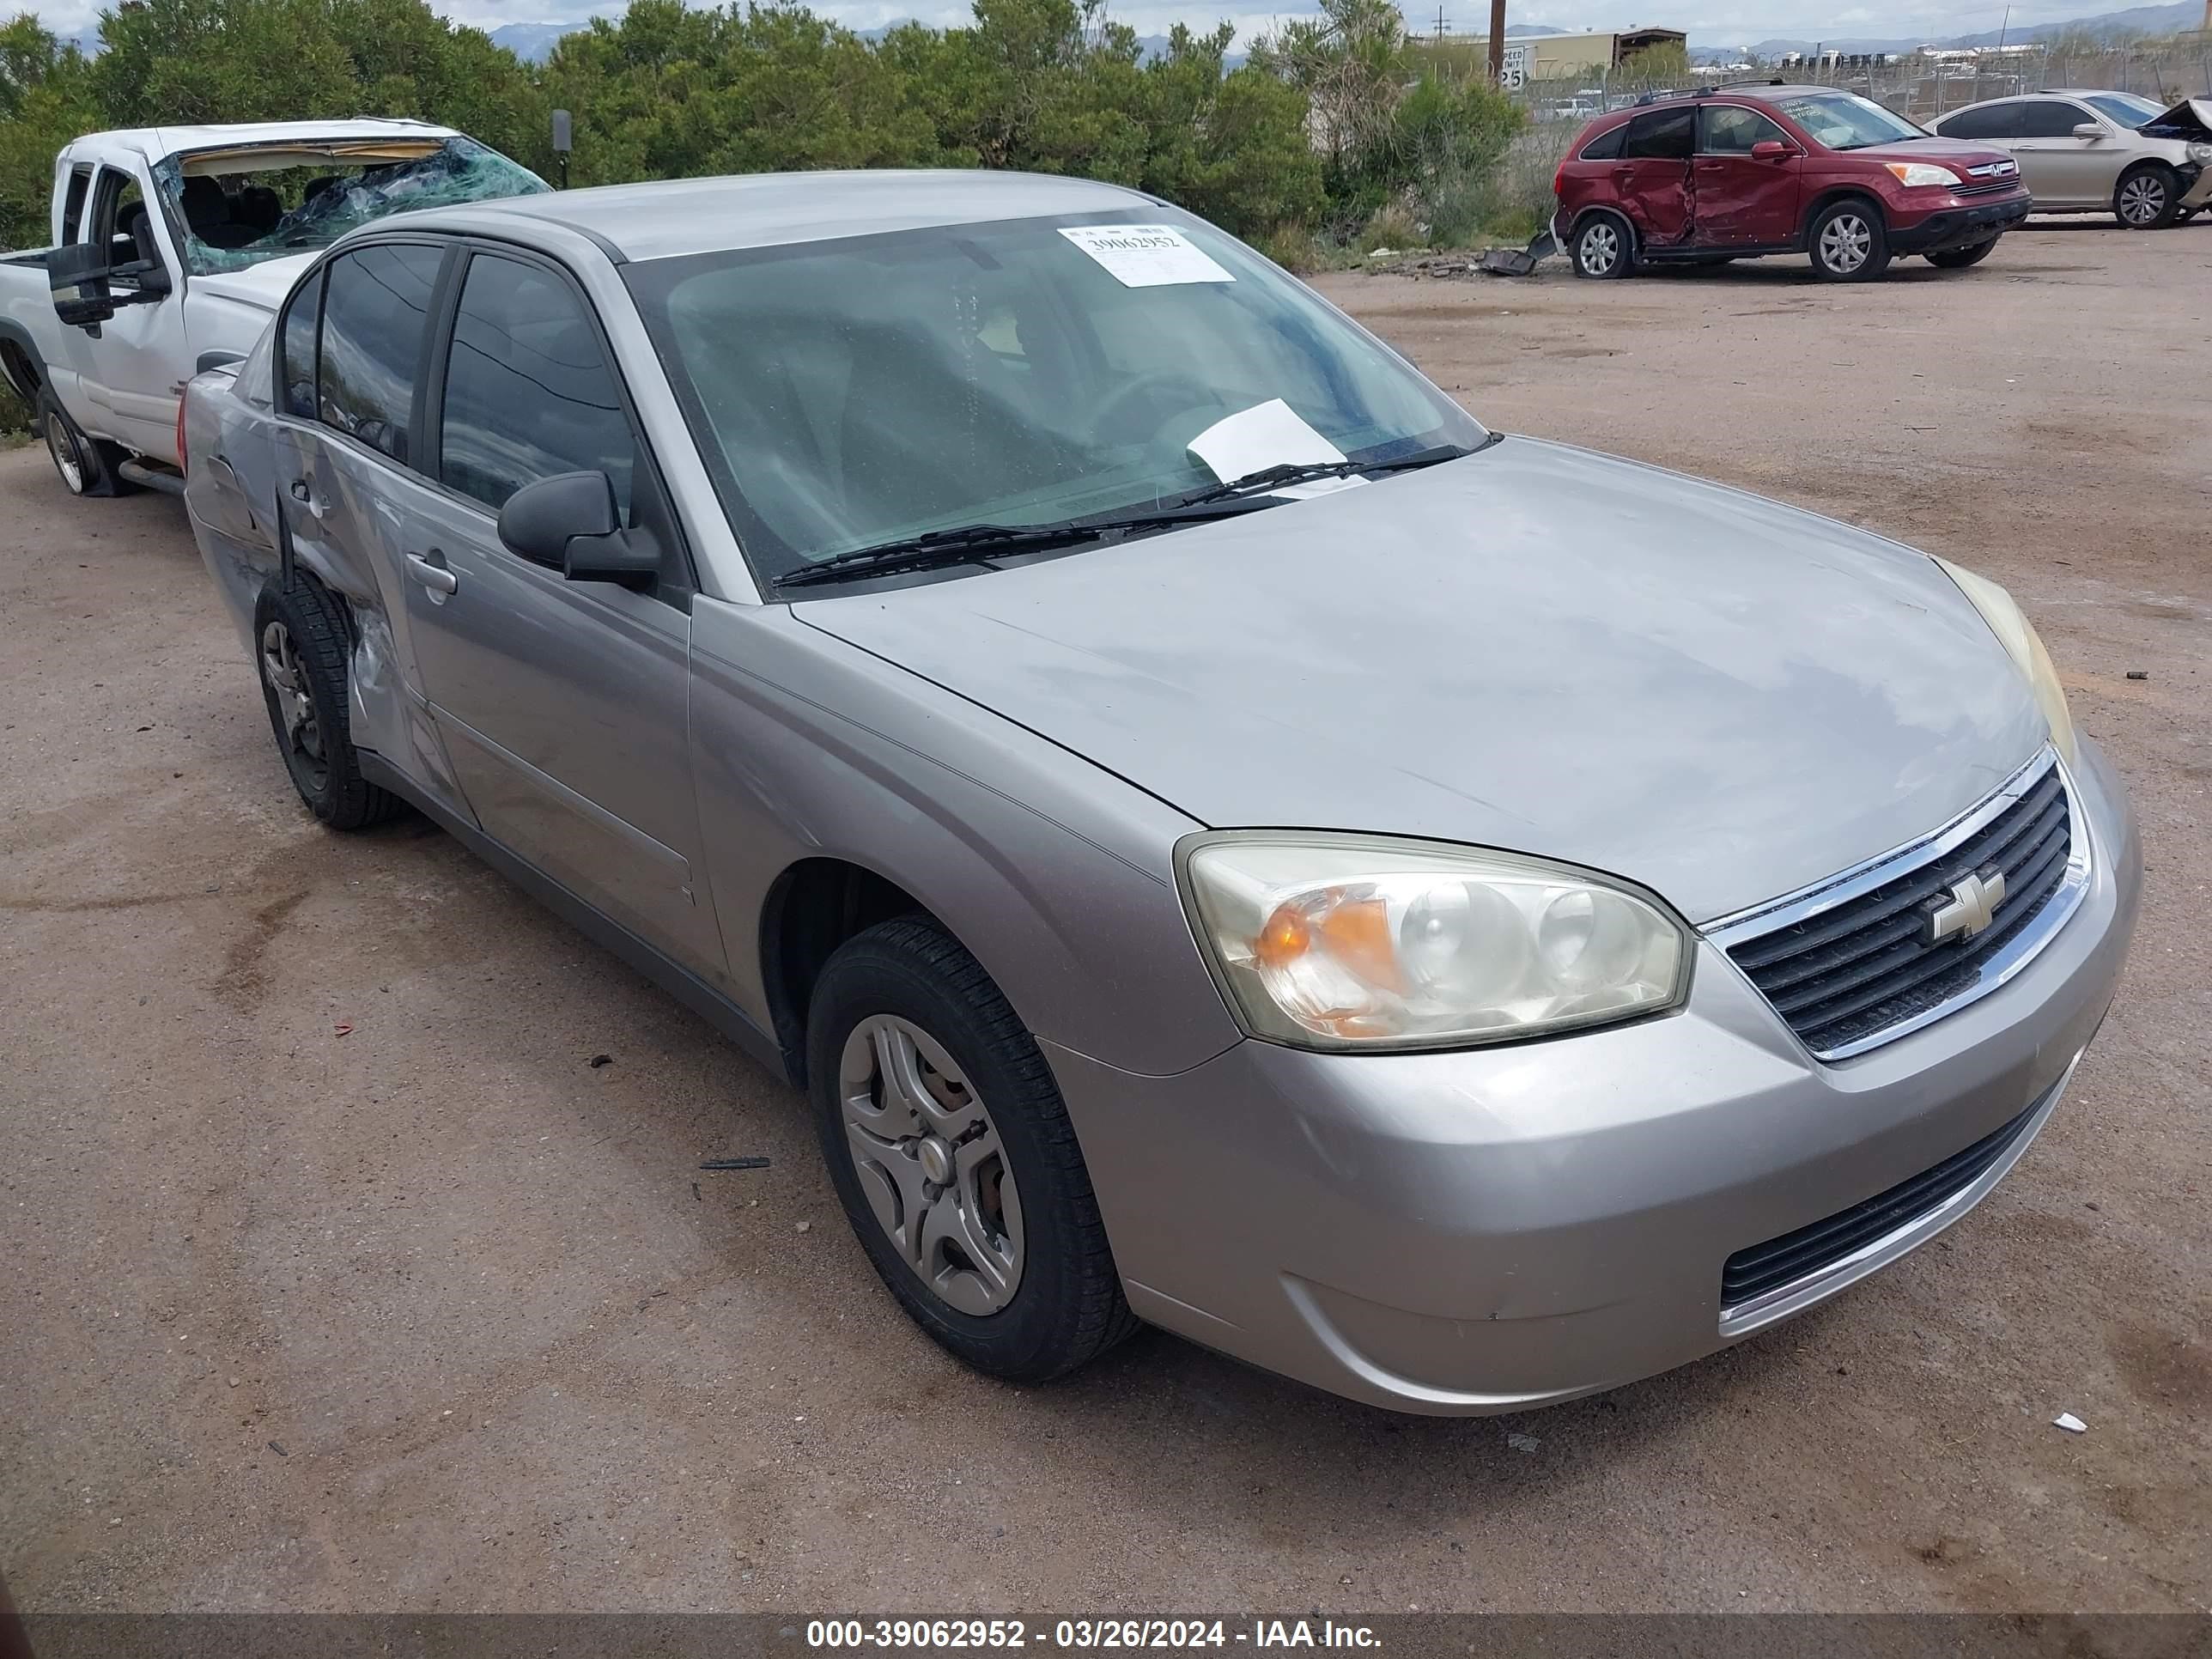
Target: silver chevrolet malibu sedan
x=1223 y=840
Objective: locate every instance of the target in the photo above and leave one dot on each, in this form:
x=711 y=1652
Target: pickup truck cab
x=173 y=248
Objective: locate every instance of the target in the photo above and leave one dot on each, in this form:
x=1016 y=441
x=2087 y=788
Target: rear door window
x=2045 y=120
x=1990 y=121
x=1668 y=135
x=528 y=393
x=295 y=349
x=376 y=305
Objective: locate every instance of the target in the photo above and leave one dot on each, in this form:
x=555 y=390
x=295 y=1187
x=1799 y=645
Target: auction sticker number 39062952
x=1146 y=256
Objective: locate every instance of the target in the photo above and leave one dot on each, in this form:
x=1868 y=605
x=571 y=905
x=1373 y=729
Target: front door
x=129 y=373
x=1651 y=181
x=1744 y=200
x=2059 y=169
x=564 y=706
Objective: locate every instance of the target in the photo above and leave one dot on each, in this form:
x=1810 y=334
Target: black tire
x=85 y=466
x=2148 y=196
x=1958 y=258
x=1065 y=1307
x=1848 y=242
x=303 y=626
x=1604 y=248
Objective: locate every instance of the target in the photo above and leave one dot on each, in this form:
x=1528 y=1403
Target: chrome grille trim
x=1792 y=909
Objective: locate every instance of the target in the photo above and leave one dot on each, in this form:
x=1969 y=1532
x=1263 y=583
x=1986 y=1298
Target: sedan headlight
x=2025 y=646
x=2200 y=152
x=1367 y=942
x=1922 y=173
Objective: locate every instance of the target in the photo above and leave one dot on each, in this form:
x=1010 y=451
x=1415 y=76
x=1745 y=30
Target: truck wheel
x=299 y=651
x=1958 y=258
x=1605 y=249
x=1848 y=242
x=952 y=1152
x=87 y=465
x=2147 y=198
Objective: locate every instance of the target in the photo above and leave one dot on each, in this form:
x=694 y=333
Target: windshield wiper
x=1295 y=472
x=937 y=550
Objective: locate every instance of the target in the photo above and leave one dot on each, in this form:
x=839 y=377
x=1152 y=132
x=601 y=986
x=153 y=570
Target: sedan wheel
x=2145 y=199
x=301 y=651
x=953 y=1157
x=931 y=1162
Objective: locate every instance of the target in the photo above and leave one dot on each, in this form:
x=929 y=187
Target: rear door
x=2060 y=169
x=564 y=706
x=1743 y=200
x=1653 y=174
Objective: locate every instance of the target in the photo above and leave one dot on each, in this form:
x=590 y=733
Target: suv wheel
x=1604 y=248
x=86 y=465
x=1848 y=242
x=2146 y=198
x=953 y=1157
x=300 y=650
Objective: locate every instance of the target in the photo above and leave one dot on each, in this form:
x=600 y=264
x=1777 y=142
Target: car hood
x=1944 y=152
x=1534 y=648
x=2190 y=120
x=263 y=286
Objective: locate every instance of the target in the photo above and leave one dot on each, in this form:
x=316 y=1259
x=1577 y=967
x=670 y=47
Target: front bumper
x=1494 y=1229
x=1961 y=226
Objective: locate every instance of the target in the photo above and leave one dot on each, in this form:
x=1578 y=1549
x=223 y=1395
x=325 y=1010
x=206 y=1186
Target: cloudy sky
x=1709 y=22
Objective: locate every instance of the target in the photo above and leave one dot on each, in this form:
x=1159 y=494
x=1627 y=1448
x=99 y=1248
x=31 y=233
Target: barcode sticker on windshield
x=1145 y=256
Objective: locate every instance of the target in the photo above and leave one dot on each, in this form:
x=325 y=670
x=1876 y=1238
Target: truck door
x=1652 y=177
x=127 y=372
x=1743 y=199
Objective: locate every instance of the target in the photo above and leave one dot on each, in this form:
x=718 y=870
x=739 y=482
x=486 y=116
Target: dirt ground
x=439 y=1315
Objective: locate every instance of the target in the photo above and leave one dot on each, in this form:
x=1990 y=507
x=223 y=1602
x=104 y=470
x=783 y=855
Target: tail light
x=1560 y=180
x=181 y=392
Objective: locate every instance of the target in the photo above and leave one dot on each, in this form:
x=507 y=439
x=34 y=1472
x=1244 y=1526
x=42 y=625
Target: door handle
x=306 y=497
x=435 y=577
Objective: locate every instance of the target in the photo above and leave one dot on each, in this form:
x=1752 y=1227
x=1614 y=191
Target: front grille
x=1844 y=973
x=1795 y=1255
x=1980 y=189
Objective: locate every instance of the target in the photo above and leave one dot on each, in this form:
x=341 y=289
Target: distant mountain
x=534 y=42
x=2136 y=20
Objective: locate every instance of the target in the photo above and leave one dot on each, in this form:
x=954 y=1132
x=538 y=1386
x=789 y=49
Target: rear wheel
x=2147 y=198
x=86 y=466
x=1604 y=248
x=1958 y=258
x=300 y=650
x=1848 y=242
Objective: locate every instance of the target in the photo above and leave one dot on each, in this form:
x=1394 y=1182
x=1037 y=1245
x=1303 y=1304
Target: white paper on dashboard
x=1267 y=434
x=1146 y=256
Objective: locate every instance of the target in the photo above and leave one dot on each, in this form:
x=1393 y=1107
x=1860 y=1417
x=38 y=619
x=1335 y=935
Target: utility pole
x=1440 y=23
x=1496 y=42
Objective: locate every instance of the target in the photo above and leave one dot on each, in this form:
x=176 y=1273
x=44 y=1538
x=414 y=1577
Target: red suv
x=1732 y=173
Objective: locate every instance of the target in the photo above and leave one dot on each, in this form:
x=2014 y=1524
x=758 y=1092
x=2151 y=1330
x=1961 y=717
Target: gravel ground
x=437 y=1314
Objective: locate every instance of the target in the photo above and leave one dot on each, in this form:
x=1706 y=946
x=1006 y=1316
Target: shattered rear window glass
x=232 y=220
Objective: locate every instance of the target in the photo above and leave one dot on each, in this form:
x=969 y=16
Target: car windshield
x=852 y=393
x=241 y=206
x=1843 y=120
x=2126 y=108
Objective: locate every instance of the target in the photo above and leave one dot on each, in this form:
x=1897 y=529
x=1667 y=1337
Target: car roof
x=676 y=216
x=155 y=143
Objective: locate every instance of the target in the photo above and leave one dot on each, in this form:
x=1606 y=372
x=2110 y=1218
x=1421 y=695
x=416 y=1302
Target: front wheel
x=1604 y=249
x=954 y=1160
x=1849 y=243
x=1958 y=258
x=2147 y=198
x=86 y=465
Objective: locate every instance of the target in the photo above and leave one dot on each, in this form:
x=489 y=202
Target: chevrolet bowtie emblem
x=1971 y=907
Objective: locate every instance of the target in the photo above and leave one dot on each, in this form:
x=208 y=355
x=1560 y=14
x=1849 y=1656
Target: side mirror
x=570 y=523
x=2089 y=129
x=78 y=274
x=1771 y=150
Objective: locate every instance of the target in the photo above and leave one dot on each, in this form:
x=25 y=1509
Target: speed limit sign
x=1513 y=68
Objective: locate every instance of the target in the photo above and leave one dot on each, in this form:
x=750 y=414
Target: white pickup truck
x=173 y=245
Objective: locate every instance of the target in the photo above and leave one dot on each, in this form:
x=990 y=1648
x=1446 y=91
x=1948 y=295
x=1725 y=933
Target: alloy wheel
x=1845 y=242
x=61 y=444
x=2143 y=199
x=1600 y=249
x=930 y=1160
x=286 y=680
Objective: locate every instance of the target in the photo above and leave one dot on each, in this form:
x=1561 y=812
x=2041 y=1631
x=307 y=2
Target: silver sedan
x=2101 y=152
x=1222 y=839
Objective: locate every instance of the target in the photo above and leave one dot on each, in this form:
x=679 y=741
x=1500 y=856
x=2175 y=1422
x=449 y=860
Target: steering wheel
x=1125 y=399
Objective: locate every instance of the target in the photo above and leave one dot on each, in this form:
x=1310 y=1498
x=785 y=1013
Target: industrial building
x=1570 y=56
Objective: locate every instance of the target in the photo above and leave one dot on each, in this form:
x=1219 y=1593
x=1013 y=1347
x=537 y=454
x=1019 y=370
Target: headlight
x=1366 y=942
x=2200 y=152
x=2025 y=646
x=1922 y=173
